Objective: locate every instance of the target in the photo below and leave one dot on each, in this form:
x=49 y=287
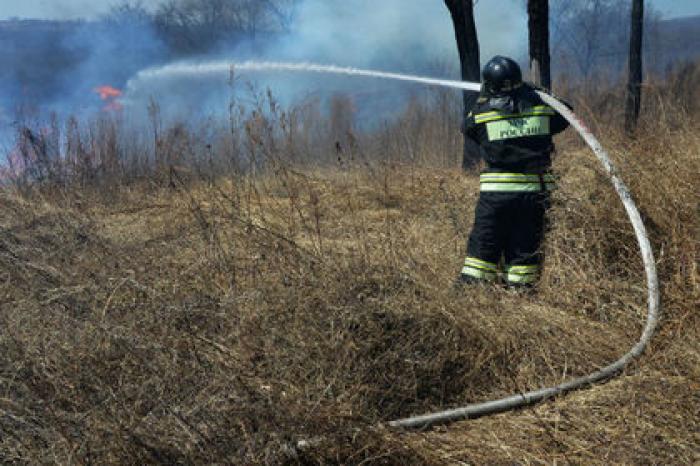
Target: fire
x=108 y=92
x=110 y=96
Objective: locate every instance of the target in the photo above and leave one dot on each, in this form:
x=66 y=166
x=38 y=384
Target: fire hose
x=526 y=399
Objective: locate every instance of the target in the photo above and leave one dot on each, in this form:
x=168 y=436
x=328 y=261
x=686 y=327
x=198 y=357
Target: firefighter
x=513 y=128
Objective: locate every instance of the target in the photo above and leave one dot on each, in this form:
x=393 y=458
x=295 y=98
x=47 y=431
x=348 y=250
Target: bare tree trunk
x=462 y=12
x=634 y=86
x=538 y=23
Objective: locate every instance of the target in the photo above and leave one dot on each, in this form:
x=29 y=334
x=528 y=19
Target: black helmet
x=502 y=75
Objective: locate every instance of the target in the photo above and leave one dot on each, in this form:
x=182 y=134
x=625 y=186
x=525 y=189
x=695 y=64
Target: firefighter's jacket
x=514 y=133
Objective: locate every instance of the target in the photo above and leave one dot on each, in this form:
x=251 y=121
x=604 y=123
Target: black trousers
x=508 y=225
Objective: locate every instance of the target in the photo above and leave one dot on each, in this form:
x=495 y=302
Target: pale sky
x=677 y=8
x=55 y=9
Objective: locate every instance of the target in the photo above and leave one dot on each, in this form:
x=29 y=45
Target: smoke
x=56 y=66
x=392 y=35
x=111 y=52
x=369 y=33
x=396 y=33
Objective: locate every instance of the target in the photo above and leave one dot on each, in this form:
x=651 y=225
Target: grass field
x=222 y=316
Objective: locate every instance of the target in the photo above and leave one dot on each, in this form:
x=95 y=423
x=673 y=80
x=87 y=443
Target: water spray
x=223 y=68
x=516 y=401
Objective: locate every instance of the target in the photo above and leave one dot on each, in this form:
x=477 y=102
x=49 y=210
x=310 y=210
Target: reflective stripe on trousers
x=481 y=270
x=516 y=182
x=522 y=274
x=488 y=271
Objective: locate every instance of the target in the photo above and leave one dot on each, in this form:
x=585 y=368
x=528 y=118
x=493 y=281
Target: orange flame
x=108 y=92
x=110 y=95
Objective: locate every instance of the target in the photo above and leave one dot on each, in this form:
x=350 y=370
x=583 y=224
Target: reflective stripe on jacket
x=514 y=132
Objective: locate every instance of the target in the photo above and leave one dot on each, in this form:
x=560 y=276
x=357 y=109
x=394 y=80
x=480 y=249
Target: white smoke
x=410 y=36
x=401 y=35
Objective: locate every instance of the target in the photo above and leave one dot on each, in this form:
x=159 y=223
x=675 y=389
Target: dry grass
x=224 y=320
